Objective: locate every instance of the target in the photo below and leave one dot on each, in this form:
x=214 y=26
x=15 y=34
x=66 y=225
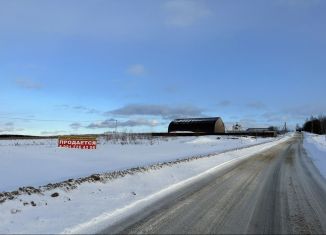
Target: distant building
x=258 y=129
x=237 y=127
x=198 y=125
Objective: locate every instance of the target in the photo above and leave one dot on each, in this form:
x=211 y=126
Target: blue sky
x=75 y=66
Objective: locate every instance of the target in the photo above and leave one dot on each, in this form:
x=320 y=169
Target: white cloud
x=86 y=109
x=225 y=103
x=276 y=117
x=183 y=13
x=79 y=108
x=75 y=125
x=27 y=83
x=9 y=128
x=110 y=123
x=304 y=111
x=163 y=111
x=256 y=105
x=52 y=132
x=136 y=70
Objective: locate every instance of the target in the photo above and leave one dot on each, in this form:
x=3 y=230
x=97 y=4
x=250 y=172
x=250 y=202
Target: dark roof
x=194 y=124
x=211 y=119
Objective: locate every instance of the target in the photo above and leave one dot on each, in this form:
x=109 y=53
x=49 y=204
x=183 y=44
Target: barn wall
x=219 y=126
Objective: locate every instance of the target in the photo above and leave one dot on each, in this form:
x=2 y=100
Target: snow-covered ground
x=92 y=206
x=315 y=145
x=39 y=162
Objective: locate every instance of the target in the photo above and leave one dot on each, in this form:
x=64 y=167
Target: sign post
x=79 y=142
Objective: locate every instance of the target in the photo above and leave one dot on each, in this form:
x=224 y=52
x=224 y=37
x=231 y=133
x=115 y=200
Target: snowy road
x=277 y=191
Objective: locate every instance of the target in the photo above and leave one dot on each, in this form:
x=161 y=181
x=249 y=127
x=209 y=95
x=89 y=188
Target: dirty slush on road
x=276 y=191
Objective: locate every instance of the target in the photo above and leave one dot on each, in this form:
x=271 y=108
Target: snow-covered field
x=92 y=206
x=39 y=162
x=315 y=145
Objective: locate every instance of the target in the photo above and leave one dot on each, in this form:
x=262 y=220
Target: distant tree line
x=315 y=125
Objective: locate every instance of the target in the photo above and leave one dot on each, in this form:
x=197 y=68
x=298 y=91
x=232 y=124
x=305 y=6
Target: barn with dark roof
x=198 y=125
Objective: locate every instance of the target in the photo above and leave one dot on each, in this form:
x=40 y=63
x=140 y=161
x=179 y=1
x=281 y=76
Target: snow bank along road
x=275 y=191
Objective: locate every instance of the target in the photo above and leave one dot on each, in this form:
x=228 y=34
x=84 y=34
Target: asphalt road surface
x=277 y=191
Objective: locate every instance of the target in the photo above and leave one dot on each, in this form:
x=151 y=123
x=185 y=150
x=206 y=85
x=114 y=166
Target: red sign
x=77 y=142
